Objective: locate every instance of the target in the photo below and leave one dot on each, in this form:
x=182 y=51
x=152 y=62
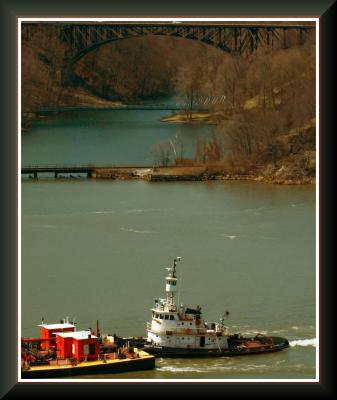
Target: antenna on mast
x=174 y=266
x=174 y=274
x=171 y=283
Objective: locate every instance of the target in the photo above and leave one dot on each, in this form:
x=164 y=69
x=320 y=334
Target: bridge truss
x=234 y=38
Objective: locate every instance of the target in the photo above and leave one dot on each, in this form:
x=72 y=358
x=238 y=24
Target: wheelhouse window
x=171 y=317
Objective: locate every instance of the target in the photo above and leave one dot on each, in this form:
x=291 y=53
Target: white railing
x=183 y=331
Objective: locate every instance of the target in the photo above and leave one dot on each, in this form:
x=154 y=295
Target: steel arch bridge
x=237 y=38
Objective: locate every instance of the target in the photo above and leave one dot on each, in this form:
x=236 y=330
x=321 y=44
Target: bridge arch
x=95 y=46
x=234 y=38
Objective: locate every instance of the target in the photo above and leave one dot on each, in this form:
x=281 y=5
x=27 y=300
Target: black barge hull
x=128 y=365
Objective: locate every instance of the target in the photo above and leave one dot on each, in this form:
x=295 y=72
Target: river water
x=106 y=137
x=97 y=250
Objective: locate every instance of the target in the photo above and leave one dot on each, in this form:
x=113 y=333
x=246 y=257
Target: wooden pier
x=88 y=170
x=35 y=170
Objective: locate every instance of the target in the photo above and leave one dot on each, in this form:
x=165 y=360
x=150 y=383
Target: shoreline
x=191 y=174
x=283 y=174
x=208 y=117
x=84 y=102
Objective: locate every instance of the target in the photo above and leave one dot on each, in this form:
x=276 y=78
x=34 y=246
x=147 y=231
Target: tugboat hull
x=236 y=349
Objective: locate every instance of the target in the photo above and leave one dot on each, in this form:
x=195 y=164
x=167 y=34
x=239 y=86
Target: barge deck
x=144 y=361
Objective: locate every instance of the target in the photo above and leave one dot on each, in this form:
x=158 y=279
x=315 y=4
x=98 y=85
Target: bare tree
x=162 y=153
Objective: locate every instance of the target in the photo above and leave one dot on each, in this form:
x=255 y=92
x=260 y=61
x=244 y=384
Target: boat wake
x=231 y=237
x=135 y=230
x=215 y=368
x=147 y=210
x=103 y=212
x=139 y=210
x=303 y=342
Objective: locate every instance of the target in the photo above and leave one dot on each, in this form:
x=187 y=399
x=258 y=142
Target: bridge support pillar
x=35 y=174
x=55 y=175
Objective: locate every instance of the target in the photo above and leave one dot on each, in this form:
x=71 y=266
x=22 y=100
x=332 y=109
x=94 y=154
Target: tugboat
x=179 y=331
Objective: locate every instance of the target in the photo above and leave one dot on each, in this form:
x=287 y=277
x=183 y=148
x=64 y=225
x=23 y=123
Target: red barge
x=63 y=351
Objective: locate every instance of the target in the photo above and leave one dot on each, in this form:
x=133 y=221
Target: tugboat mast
x=171 y=283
